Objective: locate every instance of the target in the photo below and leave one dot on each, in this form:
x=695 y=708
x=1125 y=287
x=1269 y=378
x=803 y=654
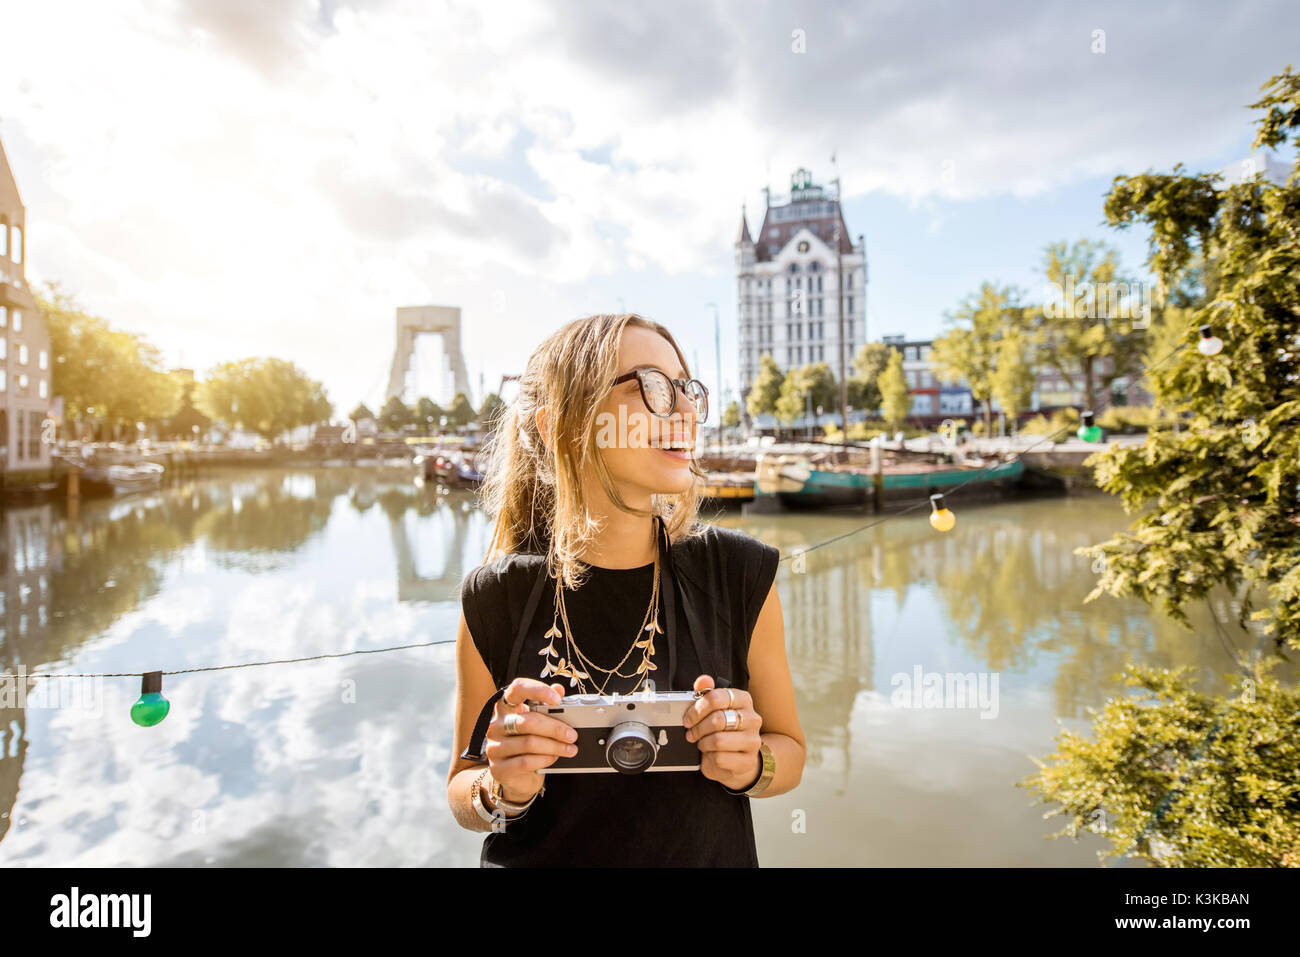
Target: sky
x=236 y=178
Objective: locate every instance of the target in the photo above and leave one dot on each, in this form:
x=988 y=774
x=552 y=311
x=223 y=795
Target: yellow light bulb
x=941 y=520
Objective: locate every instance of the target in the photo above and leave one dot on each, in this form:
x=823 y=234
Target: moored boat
x=793 y=482
x=119 y=479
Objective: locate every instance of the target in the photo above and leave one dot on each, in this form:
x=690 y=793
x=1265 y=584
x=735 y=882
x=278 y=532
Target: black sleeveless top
x=719 y=581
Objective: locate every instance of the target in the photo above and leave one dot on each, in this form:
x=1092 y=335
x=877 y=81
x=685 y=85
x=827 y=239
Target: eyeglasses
x=659 y=392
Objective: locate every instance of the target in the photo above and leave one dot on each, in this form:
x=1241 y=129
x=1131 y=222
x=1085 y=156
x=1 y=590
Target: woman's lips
x=679 y=456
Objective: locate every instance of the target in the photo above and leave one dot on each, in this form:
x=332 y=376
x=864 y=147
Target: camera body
x=625 y=733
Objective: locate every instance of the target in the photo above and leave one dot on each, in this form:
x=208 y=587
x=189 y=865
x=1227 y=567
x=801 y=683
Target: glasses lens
x=658 y=391
x=696 y=392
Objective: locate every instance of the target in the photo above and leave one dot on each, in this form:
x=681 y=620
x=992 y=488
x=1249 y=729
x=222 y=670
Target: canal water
x=343 y=761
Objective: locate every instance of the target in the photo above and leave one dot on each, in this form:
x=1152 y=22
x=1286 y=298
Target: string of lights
x=152 y=707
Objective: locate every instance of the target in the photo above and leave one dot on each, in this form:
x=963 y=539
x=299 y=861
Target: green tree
x=731 y=417
x=864 y=383
x=896 y=399
x=1014 y=373
x=1093 y=321
x=970 y=350
x=105 y=376
x=766 y=390
x=428 y=414
x=396 y=414
x=1213 y=779
x=266 y=396
x=816 y=381
x=461 y=412
x=362 y=411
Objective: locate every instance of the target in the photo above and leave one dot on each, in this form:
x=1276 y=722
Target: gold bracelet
x=765 y=775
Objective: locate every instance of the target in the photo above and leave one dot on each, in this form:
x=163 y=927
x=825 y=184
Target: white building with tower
x=786 y=283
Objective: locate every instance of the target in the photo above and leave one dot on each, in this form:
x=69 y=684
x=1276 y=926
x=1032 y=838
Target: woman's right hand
x=514 y=759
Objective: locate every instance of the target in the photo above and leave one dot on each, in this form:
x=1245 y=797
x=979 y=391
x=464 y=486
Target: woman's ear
x=540 y=421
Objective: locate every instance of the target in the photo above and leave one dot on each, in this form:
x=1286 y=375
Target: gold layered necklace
x=574 y=665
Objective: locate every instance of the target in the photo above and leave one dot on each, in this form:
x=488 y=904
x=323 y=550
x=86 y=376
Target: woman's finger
x=532 y=744
x=522 y=690
x=531 y=723
x=716 y=721
x=730 y=741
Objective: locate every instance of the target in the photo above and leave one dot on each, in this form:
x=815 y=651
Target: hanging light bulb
x=941 y=519
x=1210 y=344
x=1088 y=430
x=151 y=707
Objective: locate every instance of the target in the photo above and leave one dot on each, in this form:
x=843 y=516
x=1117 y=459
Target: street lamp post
x=717 y=354
x=839 y=311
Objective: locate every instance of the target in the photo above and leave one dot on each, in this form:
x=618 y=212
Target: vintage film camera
x=625 y=733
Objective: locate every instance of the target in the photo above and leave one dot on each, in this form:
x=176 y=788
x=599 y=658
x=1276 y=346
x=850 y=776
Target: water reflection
x=343 y=761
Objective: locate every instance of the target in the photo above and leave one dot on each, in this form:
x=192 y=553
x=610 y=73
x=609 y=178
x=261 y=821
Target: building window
x=40 y=390
x=850 y=303
x=4 y=317
x=22 y=381
x=16 y=244
x=925 y=353
x=4 y=348
x=910 y=353
x=22 y=353
x=18 y=321
x=4 y=384
x=20 y=421
x=34 y=436
x=4 y=239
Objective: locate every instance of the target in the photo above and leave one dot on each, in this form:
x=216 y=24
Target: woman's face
x=635 y=442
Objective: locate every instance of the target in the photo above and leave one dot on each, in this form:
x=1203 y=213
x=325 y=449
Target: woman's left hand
x=728 y=757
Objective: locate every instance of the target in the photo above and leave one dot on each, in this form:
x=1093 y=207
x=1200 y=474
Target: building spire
x=744 y=227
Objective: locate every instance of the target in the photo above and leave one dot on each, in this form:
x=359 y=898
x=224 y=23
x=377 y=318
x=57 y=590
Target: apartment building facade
x=25 y=363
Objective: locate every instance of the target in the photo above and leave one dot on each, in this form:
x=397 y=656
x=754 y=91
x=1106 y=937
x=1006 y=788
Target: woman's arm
x=772 y=689
x=474 y=686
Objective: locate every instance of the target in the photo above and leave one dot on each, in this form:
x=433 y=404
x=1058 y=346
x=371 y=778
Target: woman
x=596 y=546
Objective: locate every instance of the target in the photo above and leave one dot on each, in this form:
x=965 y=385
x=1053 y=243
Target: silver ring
x=733 y=720
x=731 y=698
x=512 y=723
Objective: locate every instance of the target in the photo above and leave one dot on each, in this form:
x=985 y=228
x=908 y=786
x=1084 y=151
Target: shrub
x=1184 y=779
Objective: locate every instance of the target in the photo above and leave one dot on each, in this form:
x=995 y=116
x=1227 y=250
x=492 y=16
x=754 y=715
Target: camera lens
x=630 y=748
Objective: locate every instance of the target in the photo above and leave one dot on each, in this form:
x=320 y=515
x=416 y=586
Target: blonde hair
x=534 y=483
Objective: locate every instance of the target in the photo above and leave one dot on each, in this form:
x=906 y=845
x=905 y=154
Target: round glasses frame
x=700 y=398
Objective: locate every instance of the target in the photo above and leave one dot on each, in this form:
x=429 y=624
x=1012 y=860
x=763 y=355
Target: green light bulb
x=151 y=707
x=1087 y=430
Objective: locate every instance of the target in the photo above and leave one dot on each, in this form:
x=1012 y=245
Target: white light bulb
x=1211 y=346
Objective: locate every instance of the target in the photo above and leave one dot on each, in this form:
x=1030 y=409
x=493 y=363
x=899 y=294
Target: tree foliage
x=1186 y=779
x=896 y=399
x=266 y=396
x=970 y=349
x=765 y=391
x=106 y=375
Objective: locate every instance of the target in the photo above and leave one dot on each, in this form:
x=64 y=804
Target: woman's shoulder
x=501 y=573
x=707 y=539
x=713 y=556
